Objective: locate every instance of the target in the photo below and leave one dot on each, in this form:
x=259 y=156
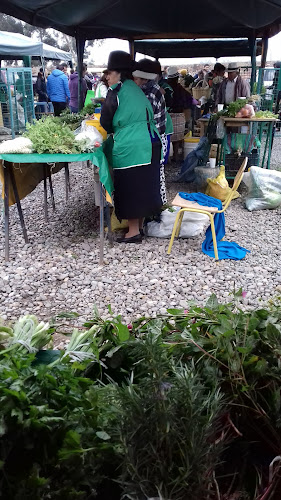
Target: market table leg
x=67 y=181
x=45 y=192
x=270 y=141
x=51 y=189
x=101 y=225
x=15 y=189
x=6 y=211
x=108 y=222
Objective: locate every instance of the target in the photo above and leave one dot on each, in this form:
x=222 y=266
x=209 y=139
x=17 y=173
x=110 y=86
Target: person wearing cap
x=233 y=87
x=180 y=112
x=135 y=153
x=144 y=76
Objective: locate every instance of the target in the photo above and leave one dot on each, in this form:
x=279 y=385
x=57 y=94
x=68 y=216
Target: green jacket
x=126 y=113
x=169 y=125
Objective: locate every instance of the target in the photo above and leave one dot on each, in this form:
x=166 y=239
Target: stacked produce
x=243 y=109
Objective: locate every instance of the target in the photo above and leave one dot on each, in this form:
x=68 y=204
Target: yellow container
x=189 y=139
x=96 y=123
x=190 y=143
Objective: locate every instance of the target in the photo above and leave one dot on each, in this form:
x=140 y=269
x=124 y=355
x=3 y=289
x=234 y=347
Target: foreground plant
x=53 y=445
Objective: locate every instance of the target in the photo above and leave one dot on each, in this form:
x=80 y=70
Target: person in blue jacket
x=58 y=89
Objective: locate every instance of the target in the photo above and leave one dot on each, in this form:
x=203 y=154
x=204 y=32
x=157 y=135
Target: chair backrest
x=236 y=183
x=239 y=175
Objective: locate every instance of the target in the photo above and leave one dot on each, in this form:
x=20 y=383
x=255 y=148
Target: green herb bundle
x=49 y=136
x=234 y=107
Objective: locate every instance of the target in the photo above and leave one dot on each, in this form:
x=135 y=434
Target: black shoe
x=134 y=239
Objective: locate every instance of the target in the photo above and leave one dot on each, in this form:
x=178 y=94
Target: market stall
x=97 y=158
x=250 y=139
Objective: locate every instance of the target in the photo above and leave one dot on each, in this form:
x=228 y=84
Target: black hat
x=146 y=69
x=120 y=61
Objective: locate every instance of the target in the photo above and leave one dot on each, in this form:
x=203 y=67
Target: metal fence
x=16 y=98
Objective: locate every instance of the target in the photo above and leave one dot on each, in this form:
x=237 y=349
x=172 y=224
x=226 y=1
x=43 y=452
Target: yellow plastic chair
x=191 y=206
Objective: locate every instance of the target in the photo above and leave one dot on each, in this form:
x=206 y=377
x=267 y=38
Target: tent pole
x=264 y=51
x=80 y=46
x=253 y=51
x=132 y=49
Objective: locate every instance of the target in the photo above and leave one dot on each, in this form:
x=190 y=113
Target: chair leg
x=179 y=224
x=174 y=232
x=214 y=237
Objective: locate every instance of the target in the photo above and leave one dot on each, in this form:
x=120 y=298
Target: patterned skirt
x=178 y=120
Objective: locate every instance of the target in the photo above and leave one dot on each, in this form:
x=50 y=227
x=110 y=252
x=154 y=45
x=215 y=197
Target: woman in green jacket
x=136 y=152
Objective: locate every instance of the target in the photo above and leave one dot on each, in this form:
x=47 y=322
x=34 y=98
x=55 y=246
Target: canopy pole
x=132 y=49
x=264 y=51
x=80 y=46
x=253 y=51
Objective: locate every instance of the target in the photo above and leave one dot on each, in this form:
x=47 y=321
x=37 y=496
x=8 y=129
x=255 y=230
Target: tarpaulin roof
x=17 y=45
x=151 y=18
x=195 y=48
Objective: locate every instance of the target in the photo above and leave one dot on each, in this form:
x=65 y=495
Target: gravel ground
x=59 y=271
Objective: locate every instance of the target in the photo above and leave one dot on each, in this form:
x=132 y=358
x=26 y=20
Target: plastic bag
x=264 y=189
x=220 y=129
x=192 y=224
x=89 y=136
x=218 y=187
x=116 y=225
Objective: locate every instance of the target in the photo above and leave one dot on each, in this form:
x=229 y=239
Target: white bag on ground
x=264 y=189
x=193 y=224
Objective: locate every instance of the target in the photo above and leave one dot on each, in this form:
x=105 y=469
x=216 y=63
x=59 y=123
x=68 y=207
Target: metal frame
x=9 y=178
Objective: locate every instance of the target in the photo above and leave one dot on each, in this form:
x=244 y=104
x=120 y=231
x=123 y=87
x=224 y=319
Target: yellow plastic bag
x=218 y=187
x=116 y=225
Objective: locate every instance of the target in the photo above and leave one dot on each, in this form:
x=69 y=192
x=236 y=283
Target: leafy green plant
x=49 y=136
x=168 y=422
x=53 y=444
x=185 y=405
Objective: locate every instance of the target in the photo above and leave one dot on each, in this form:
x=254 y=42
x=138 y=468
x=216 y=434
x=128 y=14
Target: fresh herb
x=234 y=107
x=53 y=444
x=265 y=114
x=49 y=136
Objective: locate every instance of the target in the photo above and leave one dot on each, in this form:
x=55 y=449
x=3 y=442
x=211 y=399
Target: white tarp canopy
x=15 y=44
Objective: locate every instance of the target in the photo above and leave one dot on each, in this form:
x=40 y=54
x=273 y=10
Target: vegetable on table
x=246 y=112
x=265 y=114
x=49 y=136
x=18 y=145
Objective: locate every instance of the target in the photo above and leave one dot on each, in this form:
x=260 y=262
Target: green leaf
x=102 y=435
x=175 y=312
x=71 y=445
x=68 y=315
x=123 y=332
x=212 y=302
x=3 y=427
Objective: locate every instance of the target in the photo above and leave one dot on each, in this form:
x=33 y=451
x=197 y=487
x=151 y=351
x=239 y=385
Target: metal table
x=256 y=126
x=97 y=158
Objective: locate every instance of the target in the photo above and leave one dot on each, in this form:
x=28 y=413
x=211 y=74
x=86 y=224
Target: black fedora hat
x=120 y=61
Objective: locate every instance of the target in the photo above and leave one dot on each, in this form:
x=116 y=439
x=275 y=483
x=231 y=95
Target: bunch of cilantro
x=49 y=136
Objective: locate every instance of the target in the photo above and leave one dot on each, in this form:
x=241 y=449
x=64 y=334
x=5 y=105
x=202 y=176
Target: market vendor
x=180 y=112
x=144 y=76
x=136 y=150
x=233 y=87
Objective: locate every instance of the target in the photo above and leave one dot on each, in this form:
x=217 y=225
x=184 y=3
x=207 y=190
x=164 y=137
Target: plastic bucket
x=190 y=143
x=96 y=123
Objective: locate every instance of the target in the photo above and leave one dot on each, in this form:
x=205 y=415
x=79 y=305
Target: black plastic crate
x=233 y=162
